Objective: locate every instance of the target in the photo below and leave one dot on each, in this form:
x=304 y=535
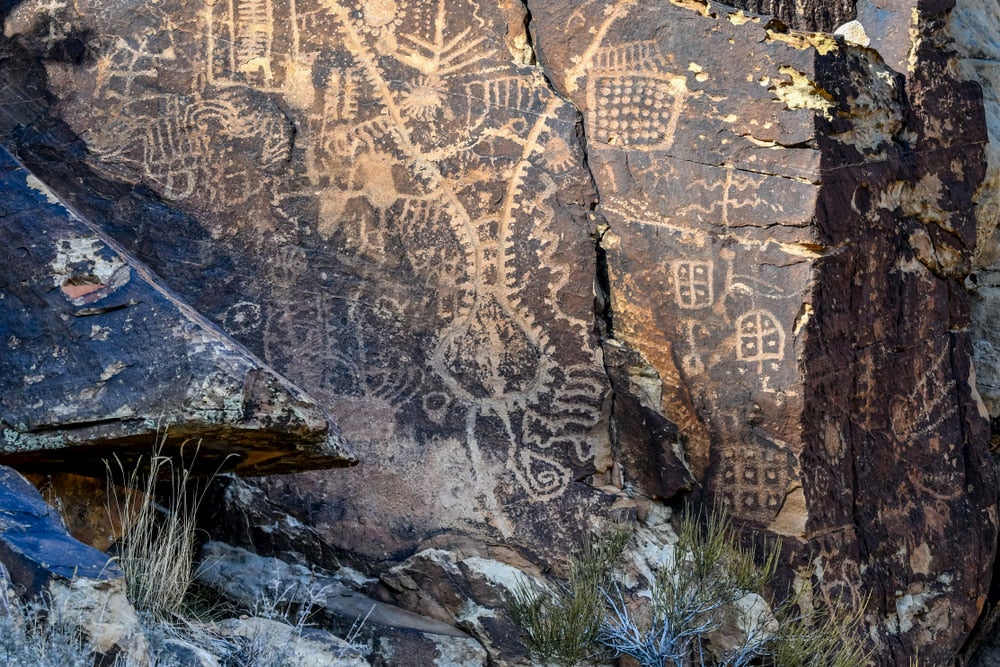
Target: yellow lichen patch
x=520 y=48
x=699 y=73
x=805 y=314
x=694 y=5
x=823 y=43
x=918 y=200
x=801 y=92
x=915 y=38
x=739 y=18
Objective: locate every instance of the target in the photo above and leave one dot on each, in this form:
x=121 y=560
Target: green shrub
x=591 y=613
x=824 y=638
x=561 y=624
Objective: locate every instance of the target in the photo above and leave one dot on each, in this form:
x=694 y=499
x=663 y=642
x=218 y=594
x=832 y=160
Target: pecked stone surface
x=396 y=207
x=97 y=354
x=788 y=228
x=392 y=210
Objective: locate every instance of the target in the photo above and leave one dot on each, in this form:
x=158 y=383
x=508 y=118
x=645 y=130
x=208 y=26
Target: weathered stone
x=393 y=177
x=102 y=612
x=98 y=353
x=466 y=590
x=399 y=648
x=887 y=24
x=78 y=586
x=974 y=26
x=34 y=544
x=177 y=652
x=253 y=581
x=823 y=15
x=83 y=503
x=741 y=622
x=398 y=637
x=274 y=642
x=647 y=446
x=755 y=221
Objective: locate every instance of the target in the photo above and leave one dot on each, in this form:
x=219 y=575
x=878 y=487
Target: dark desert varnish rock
x=99 y=359
x=396 y=203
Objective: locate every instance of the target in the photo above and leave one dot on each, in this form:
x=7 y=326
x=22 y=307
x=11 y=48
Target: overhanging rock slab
x=96 y=353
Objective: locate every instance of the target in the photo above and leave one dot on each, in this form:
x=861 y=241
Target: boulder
x=973 y=25
x=101 y=611
x=273 y=642
x=177 y=652
x=820 y=15
x=76 y=585
x=270 y=584
x=99 y=354
x=35 y=548
x=466 y=590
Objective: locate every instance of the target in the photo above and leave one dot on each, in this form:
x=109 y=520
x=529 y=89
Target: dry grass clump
x=30 y=636
x=156 y=549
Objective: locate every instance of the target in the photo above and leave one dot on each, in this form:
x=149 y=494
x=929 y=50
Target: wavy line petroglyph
x=490 y=354
x=378 y=139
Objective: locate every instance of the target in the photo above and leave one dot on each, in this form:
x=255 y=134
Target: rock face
x=404 y=207
x=404 y=236
x=786 y=248
x=97 y=353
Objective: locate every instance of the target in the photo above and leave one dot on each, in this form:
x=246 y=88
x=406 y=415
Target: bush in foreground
x=711 y=575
